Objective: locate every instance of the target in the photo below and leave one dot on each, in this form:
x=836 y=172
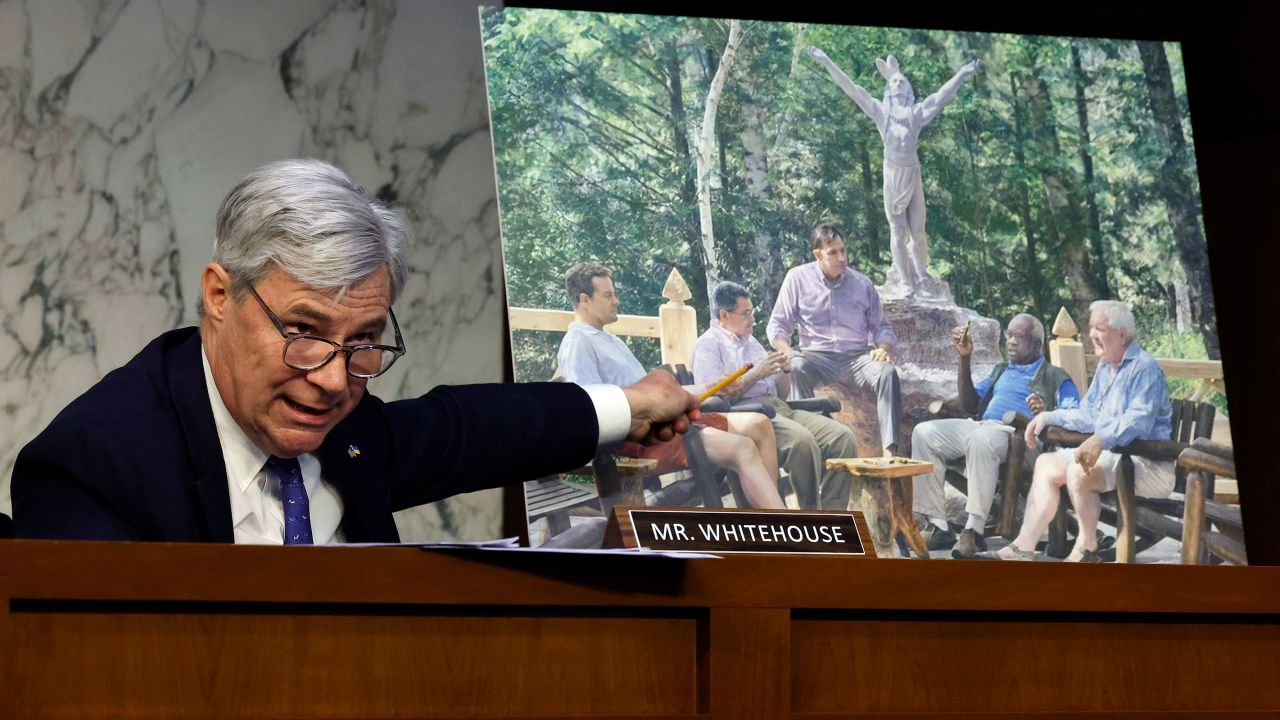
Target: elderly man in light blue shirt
x=1128 y=400
x=843 y=331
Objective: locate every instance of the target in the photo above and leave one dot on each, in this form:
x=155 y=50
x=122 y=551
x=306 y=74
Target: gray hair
x=725 y=297
x=1037 y=327
x=1118 y=315
x=312 y=221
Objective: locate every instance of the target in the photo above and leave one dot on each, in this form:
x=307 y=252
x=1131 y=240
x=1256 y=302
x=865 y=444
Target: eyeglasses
x=1020 y=337
x=745 y=313
x=309 y=352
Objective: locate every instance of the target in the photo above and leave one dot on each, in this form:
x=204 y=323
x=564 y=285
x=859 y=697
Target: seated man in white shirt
x=741 y=442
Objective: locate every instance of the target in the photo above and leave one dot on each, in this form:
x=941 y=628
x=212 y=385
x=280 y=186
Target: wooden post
x=677 y=322
x=1193 y=517
x=1067 y=352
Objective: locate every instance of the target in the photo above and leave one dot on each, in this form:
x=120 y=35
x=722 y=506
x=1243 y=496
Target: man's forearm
x=964 y=386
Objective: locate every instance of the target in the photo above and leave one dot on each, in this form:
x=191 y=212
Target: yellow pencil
x=724 y=383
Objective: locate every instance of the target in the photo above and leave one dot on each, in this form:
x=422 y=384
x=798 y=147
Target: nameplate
x=728 y=530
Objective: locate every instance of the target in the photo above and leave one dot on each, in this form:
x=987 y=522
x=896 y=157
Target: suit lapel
x=191 y=400
x=353 y=467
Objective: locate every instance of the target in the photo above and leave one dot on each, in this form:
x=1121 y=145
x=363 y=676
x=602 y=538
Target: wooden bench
x=553 y=498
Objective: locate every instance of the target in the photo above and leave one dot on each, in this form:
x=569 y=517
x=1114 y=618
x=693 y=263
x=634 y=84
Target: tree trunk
x=1061 y=193
x=688 y=187
x=705 y=153
x=979 y=225
x=767 y=252
x=1175 y=187
x=1100 y=284
x=1035 y=279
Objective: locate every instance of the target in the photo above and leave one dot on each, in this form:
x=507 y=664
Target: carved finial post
x=677 y=322
x=1066 y=351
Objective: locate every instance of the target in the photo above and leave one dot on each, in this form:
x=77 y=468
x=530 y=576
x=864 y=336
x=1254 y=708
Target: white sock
x=976 y=523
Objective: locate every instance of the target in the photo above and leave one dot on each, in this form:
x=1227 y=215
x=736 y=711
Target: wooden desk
x=893 y=514
x=120 y=630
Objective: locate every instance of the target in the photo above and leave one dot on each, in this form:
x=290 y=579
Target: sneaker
x=936 y=538
x=969 y=545
x=1008 y=552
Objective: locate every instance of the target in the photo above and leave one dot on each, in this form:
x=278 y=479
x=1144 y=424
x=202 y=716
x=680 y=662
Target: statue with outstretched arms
x=899 y=118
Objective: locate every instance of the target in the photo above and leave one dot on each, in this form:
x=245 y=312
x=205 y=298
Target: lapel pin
x=352 y=451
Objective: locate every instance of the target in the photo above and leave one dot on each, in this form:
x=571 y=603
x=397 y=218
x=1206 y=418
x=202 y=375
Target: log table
x=892 y=514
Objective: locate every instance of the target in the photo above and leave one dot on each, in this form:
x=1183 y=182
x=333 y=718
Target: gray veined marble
x=124 y=122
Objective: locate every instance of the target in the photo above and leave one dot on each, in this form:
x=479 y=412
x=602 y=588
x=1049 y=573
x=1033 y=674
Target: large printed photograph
x=977 y=258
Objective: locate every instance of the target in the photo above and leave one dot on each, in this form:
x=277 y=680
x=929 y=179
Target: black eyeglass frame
x=290 y=337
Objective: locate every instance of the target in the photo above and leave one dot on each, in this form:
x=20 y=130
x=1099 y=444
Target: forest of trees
x=1063 y=172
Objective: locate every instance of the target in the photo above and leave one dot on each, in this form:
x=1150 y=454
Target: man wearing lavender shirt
x=843 y=332
x=805 y=439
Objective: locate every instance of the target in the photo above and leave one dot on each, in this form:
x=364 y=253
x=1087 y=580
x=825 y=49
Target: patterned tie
x=297 y=513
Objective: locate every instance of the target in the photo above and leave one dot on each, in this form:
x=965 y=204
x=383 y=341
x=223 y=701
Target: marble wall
x=124 y=122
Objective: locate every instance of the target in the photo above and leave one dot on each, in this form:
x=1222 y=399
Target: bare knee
x=728 y=448
x=1050 y=470
x=751 y=424
x=1079 y=480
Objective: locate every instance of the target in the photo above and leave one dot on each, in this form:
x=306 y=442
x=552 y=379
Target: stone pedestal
x=926 y=364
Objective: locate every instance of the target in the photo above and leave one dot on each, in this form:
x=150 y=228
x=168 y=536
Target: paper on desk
x=511 y=547
x=510 y=542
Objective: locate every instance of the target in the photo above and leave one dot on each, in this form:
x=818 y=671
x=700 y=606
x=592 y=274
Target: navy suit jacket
x=137 y=456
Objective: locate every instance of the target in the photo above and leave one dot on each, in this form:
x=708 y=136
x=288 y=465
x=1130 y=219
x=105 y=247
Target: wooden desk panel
x=913 y=663
x=315 y=663
x=98 y=630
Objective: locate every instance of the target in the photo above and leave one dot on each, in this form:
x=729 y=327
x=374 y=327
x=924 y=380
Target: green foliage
x=594 y=117
x=1162 y=339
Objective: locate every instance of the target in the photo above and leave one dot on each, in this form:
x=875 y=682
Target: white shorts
x=1151 y=478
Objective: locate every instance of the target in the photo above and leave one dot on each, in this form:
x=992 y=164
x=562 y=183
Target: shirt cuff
x=613 y=413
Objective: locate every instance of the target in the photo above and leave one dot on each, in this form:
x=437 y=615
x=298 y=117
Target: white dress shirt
x=257 y=514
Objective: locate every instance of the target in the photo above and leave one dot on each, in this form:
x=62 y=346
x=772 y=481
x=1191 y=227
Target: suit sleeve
x=57 y=493
x=465 y=438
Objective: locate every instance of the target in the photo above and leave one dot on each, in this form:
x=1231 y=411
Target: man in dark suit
x=251 y=429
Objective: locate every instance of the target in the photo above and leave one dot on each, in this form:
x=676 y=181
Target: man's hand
x=1034 y=428
x=1036 y=403
x=962 y=341
x=1088 y=452
x=788 y=353
x=767 y=366
x=815 y=53
x=771 y=364
x=735 y=388
x=971 y=68
x=660 y=408
x=881 y=354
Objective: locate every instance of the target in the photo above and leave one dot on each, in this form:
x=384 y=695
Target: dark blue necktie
x=293 y=494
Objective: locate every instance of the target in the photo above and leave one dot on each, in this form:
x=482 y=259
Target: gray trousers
x=806 y=441
x=982 y=444
x=814 y=368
